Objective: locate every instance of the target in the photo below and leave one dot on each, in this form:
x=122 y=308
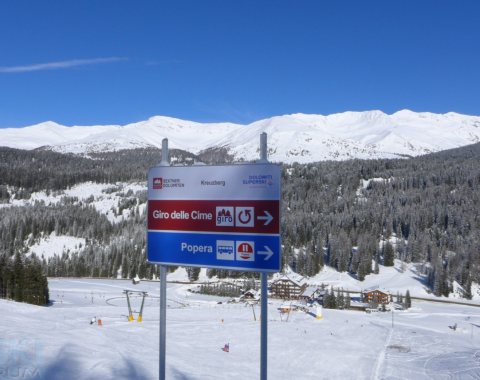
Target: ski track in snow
x=381 y=357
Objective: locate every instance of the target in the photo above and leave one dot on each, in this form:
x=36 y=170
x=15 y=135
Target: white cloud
x=59 y=65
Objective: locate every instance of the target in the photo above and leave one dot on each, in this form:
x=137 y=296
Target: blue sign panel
x=259 y=253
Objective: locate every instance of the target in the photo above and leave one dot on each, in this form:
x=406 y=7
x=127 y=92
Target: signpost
x=224 y=217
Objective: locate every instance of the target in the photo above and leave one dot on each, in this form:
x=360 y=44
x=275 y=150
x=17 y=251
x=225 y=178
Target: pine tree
x=388 y=255
x=3 y=276
x=193 y=273
x=18 y=277
x=340 y=300
x=408 y=300
x=347 y=301
x=333 y=299
x=440 y=284
x=468 y=288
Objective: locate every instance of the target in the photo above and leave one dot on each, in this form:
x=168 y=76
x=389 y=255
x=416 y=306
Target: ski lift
x=130 y=312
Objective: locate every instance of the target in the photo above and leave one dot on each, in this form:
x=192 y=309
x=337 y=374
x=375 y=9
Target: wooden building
x=376 y=296
x=286 y=288
x=251 y=294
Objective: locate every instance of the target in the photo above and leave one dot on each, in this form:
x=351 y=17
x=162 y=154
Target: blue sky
x=116 y=61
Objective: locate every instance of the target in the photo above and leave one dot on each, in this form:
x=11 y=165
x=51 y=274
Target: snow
x=56 y=245
x=364 y=183
x=181 y=275
x=106 y=197
x=57 y=342
x=397 y=279
x=291 y=138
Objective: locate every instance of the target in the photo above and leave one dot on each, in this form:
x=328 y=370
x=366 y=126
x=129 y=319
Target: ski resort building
x=377 y=296
x=287 y=289
x=312 y=293
x=251 y=294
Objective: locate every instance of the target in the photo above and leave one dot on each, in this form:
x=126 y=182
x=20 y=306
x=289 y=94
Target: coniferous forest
x=23 y=280
x=351 y=215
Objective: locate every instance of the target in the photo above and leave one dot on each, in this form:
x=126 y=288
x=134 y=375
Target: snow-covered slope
x=58 y=342
x=291 y=138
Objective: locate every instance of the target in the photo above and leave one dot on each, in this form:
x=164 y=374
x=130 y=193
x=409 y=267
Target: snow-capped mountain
x=291 y=138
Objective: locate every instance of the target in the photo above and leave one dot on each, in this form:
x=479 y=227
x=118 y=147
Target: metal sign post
x=163 y=290
x=264 y=289
x=264 y=328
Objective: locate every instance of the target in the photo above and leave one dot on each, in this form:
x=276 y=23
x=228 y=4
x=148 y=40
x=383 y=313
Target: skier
x=226 y=348
x=93 y=320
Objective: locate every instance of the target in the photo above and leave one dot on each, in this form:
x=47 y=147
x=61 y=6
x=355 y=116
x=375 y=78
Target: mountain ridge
x=292 y=138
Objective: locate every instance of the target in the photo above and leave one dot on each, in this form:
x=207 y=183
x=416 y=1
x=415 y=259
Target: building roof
x=376 y=288
x=287 y=278
x=358 y=305
x=310 y=291
x=253 y=292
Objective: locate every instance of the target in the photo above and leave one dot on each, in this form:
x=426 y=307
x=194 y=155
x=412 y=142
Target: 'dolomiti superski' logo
x=157 y=183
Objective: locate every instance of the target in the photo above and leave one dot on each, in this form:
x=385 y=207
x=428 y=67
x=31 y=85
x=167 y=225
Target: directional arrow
x=268 y=253
x=267 y=217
